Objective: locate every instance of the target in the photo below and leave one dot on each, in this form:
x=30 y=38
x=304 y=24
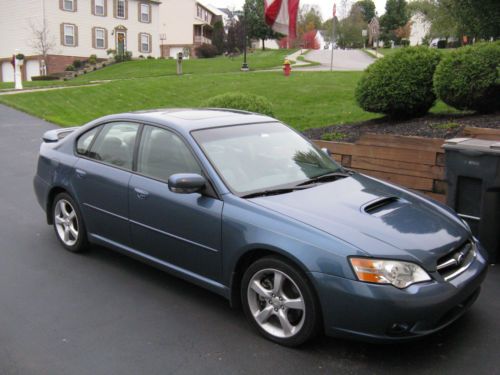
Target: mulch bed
x=430 y=126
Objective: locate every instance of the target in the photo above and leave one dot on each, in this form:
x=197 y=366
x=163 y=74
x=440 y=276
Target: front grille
x=456 y=262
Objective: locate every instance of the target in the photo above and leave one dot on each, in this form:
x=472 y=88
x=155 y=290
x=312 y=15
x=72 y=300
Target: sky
x=326 y=6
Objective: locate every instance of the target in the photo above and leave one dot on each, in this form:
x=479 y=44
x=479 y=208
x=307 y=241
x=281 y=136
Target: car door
x=181 y=229
x=101 y=179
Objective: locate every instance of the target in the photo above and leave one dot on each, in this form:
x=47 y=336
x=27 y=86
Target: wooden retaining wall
x=413 y=162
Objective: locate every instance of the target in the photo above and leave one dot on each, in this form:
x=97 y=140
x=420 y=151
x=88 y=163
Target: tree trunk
x=263 y=44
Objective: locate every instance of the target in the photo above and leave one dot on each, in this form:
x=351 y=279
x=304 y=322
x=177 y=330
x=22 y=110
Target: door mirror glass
x=186 y=183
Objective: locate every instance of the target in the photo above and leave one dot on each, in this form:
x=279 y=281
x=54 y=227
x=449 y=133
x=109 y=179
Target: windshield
x=260 y=157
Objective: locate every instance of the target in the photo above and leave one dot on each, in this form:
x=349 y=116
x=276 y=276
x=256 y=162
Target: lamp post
x=244 y=66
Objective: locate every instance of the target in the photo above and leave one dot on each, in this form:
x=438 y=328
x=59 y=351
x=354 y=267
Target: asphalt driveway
x=348 y=59
x=102 y=313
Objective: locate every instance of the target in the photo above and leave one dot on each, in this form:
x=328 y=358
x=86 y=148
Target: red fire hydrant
x=287 y=68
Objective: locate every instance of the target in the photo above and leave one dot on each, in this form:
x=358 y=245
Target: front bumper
x=382 y=312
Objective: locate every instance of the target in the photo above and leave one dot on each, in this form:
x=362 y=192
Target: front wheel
x=68 y=224
x=279 y=302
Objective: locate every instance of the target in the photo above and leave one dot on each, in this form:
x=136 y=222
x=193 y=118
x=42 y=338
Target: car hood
x=379 y=219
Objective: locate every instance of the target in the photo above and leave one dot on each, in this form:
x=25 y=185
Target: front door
x=183 y=230
x=121 y=43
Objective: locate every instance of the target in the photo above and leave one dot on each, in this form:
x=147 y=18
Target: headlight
x=381 y=271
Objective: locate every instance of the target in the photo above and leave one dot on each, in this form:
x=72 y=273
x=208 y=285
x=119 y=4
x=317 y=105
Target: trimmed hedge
x=245 y=102
x=45 y=78
x=468 y=78
x=206 y=51
x=400 y=85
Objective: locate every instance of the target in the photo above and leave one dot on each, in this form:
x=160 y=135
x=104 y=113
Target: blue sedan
x=246 y=207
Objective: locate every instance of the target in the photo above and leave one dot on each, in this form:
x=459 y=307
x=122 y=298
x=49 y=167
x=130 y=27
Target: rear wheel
x=68 y=224
x=279 y=301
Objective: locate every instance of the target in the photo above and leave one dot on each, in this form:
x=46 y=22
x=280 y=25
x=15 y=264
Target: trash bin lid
x=473 y=144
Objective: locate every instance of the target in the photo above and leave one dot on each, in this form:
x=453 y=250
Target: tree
x=218 y=37
x=235 y=41
x=309 y=19
x=367 y=8
x=475 y=18
x=350 y=30
x=396 y=16
x=256 y=25
x=330 y=26
x=42 y=43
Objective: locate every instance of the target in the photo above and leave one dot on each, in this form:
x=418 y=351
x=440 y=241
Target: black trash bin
x=473 y=176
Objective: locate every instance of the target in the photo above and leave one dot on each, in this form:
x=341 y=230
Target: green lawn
x=258 y=60
x=304 y=100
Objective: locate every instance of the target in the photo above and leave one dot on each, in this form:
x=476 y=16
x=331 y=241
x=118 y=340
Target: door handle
x=80 y=173
x=141 y=194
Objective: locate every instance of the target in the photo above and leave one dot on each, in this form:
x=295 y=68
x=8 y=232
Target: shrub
x=150 y=57
x=206 y=51
x=92 y=60
x=399 y=85
x=246 y=102
x=77 y=64
x=442 y=43
x=70 y=68
x=405 y=43
x=468 y=78
x=45 y=78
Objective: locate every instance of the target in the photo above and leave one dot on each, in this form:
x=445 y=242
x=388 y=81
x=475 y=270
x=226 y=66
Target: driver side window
x=162 y=154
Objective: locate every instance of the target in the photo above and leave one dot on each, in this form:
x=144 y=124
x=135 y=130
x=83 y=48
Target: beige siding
x=177 y=19
x=15 y=20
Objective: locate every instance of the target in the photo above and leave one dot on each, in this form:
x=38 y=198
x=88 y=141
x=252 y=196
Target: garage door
x=7 y=72
x=32 y=69
x=175 y=51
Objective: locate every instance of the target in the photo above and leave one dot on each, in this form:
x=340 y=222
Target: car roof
x=188 y=119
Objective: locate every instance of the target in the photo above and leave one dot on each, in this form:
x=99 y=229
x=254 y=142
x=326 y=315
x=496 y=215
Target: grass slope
x=304 y=100
x=257 y=60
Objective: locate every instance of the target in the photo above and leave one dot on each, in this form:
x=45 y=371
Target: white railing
x=202 y=40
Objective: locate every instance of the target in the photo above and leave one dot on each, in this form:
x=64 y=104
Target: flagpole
x=333 y=34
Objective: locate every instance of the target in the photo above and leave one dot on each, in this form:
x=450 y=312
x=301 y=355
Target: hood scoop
x=383 y=206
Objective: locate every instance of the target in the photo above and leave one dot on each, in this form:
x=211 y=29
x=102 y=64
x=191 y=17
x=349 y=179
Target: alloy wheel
x=66 y=222
x=276 y=303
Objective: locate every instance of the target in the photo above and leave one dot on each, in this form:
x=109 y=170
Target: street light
x=244 y=66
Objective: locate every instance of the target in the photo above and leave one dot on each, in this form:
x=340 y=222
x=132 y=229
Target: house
x=74 y=29
x=186 y=24
x=420 y=28
x=229 y=18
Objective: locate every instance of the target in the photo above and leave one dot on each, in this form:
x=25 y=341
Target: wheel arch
x=252 y=255
x=54 y=191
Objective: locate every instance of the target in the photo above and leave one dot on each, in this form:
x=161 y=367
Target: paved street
x=351 y=59
x=102 y=313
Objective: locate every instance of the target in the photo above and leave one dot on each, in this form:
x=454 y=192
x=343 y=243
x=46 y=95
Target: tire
x=68 y=224
x=287 y=314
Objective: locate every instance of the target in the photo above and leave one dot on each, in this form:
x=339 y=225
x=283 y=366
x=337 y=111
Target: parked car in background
x=248 y=208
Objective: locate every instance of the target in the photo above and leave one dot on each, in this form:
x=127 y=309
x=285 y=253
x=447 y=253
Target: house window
x=69 y=35
x=198 y=11
x=120 y=8
x=100 y=38
x=145 y=43
x=145 y=13
x=69 y=5
x=99 y=8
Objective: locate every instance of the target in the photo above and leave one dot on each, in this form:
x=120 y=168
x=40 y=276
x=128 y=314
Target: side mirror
x=326 y=151
x=186 y=183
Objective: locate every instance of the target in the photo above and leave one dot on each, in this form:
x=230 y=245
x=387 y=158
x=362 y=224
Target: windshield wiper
x=279 y=191
x=327 y=177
